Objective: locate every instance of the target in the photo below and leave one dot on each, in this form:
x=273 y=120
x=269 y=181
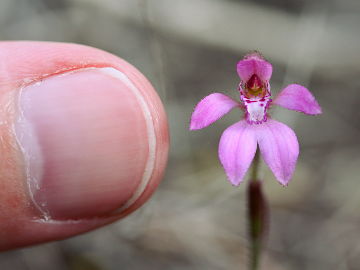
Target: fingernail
x=84 y=139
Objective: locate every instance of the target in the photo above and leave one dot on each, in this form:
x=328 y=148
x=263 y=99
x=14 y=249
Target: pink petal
x=279 y=148
x=210 y=109
x=298 y=98
x=254 y=64
x=237 y=148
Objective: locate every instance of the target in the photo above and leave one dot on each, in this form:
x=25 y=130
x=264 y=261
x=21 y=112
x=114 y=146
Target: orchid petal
x=298 y=98
x=279 y=148
x=237 y=149
x=210 y=109
x=254 y=64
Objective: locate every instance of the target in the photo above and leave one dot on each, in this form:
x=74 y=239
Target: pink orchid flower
x=278 y=144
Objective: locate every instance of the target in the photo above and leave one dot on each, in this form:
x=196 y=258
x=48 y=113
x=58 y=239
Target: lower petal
x=237 y=149
x=279 y=148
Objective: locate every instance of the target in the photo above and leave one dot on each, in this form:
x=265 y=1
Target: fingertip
x=96 y=137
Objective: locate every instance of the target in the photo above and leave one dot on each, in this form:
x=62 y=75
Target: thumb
x=83 y=141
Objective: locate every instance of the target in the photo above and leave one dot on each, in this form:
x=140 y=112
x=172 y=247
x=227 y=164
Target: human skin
x=100 y=147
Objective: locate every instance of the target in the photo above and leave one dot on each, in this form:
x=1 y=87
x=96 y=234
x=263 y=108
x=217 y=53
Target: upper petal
x=298 y=98
x=254 y=64
x=210 y=109
x=279 y=148
x=237 y=149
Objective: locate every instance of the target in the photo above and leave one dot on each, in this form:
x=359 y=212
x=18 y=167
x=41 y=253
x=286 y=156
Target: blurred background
x=188 y=49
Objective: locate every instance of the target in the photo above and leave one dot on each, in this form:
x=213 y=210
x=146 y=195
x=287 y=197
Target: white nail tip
x=150 y=164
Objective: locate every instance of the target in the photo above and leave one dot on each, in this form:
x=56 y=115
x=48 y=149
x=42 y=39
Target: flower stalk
x=258 y=218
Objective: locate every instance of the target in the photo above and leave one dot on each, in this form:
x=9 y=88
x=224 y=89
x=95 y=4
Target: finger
x=83 y=141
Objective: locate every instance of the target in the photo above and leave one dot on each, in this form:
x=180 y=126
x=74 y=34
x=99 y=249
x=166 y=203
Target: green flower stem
x=255 y=215
x=255 y=255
